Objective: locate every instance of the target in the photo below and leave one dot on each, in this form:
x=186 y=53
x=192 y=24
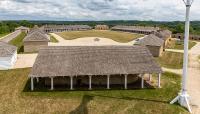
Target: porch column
x=37 y=79
x=125 y=81
x=142 y=80
x=32 y=84
x=108 y=81
x=150 y=77
x=52 y=83
x=71 y=83
x=159 y=76
x=90 y=82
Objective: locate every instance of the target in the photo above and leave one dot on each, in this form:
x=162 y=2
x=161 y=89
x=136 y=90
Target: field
x=15 y=97
x=180 y=45
x=122 y=37
x=18 y=42
x=171 y=60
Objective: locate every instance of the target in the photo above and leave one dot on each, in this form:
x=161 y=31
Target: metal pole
x=185 y=62
x=183 y=97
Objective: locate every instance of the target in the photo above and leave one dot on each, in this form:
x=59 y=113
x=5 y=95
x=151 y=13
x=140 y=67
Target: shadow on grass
x=96 y=92
x=20 y=49
x=82 y=108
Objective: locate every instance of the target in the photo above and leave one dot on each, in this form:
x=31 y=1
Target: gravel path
x=10 y=36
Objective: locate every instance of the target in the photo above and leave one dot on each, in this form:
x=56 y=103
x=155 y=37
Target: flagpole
x=183 y=97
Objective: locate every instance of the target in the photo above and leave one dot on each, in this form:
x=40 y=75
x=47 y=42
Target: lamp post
x=183 y=96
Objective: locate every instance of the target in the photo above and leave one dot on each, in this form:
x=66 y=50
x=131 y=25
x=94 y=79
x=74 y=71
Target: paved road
x=10 y=36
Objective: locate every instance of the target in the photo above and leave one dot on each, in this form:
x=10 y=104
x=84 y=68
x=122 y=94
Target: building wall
x=156 y=51
x=181 y=37
x=103 y=27
x=96 y=80
x=34 y=46
x=8 y=62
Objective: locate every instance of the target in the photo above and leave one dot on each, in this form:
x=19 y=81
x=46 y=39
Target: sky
x=89 y=10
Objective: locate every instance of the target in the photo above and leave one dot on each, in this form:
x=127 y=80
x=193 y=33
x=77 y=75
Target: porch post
x=71 y=82
x=90 y=82
x=125 y=81
x=108 y=81
x=37 y=79
x=32 y=84
x=150 y=77
x=52 y=83
x=142 y=81
x=159 y=76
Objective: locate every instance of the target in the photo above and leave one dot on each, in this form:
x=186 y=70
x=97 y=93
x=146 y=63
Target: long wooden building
x=93 y=65
x=63 y=28
x=136 y=29
x=181 y=36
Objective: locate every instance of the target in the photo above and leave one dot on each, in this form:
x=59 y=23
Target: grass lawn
x=122 y=37
x=18 y=42
x=53 y=39
x=15 y=97
x=2 y=35
x=171 y=60
x=180 y=45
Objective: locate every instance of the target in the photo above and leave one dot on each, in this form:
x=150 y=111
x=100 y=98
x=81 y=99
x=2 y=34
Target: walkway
x=176 y=71
x=10 y=36
x=193 y=84
x=25 y=60
x=175 y=50
x=87 y=41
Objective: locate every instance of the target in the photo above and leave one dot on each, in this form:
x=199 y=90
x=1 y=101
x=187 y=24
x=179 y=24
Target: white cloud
x=159 y=10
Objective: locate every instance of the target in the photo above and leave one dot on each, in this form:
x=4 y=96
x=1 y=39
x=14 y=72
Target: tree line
x=175 y=26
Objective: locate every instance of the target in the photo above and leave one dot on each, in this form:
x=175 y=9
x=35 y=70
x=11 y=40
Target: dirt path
x=176 y=71
x=10 y=36
x=193 y=84
x=174 y=50
x=25 y=60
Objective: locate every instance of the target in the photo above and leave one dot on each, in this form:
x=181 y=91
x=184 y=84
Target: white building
x=8 y=55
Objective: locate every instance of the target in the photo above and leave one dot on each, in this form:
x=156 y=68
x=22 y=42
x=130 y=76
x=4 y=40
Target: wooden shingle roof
x=151 y=40
x=93 y=60
x=7 y=50
x=36 y=35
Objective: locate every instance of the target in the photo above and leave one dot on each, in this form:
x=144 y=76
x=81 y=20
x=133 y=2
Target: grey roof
x=164 y=34
x=36 y=35
x=136 y=28
x=7 y=50
x=93 y=60
x=69 y=27
x=151 y=40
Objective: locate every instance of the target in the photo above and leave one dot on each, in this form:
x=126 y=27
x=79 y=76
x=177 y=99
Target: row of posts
x=90 y=82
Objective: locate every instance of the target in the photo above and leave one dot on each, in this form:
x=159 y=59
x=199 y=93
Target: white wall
x=8 y=62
